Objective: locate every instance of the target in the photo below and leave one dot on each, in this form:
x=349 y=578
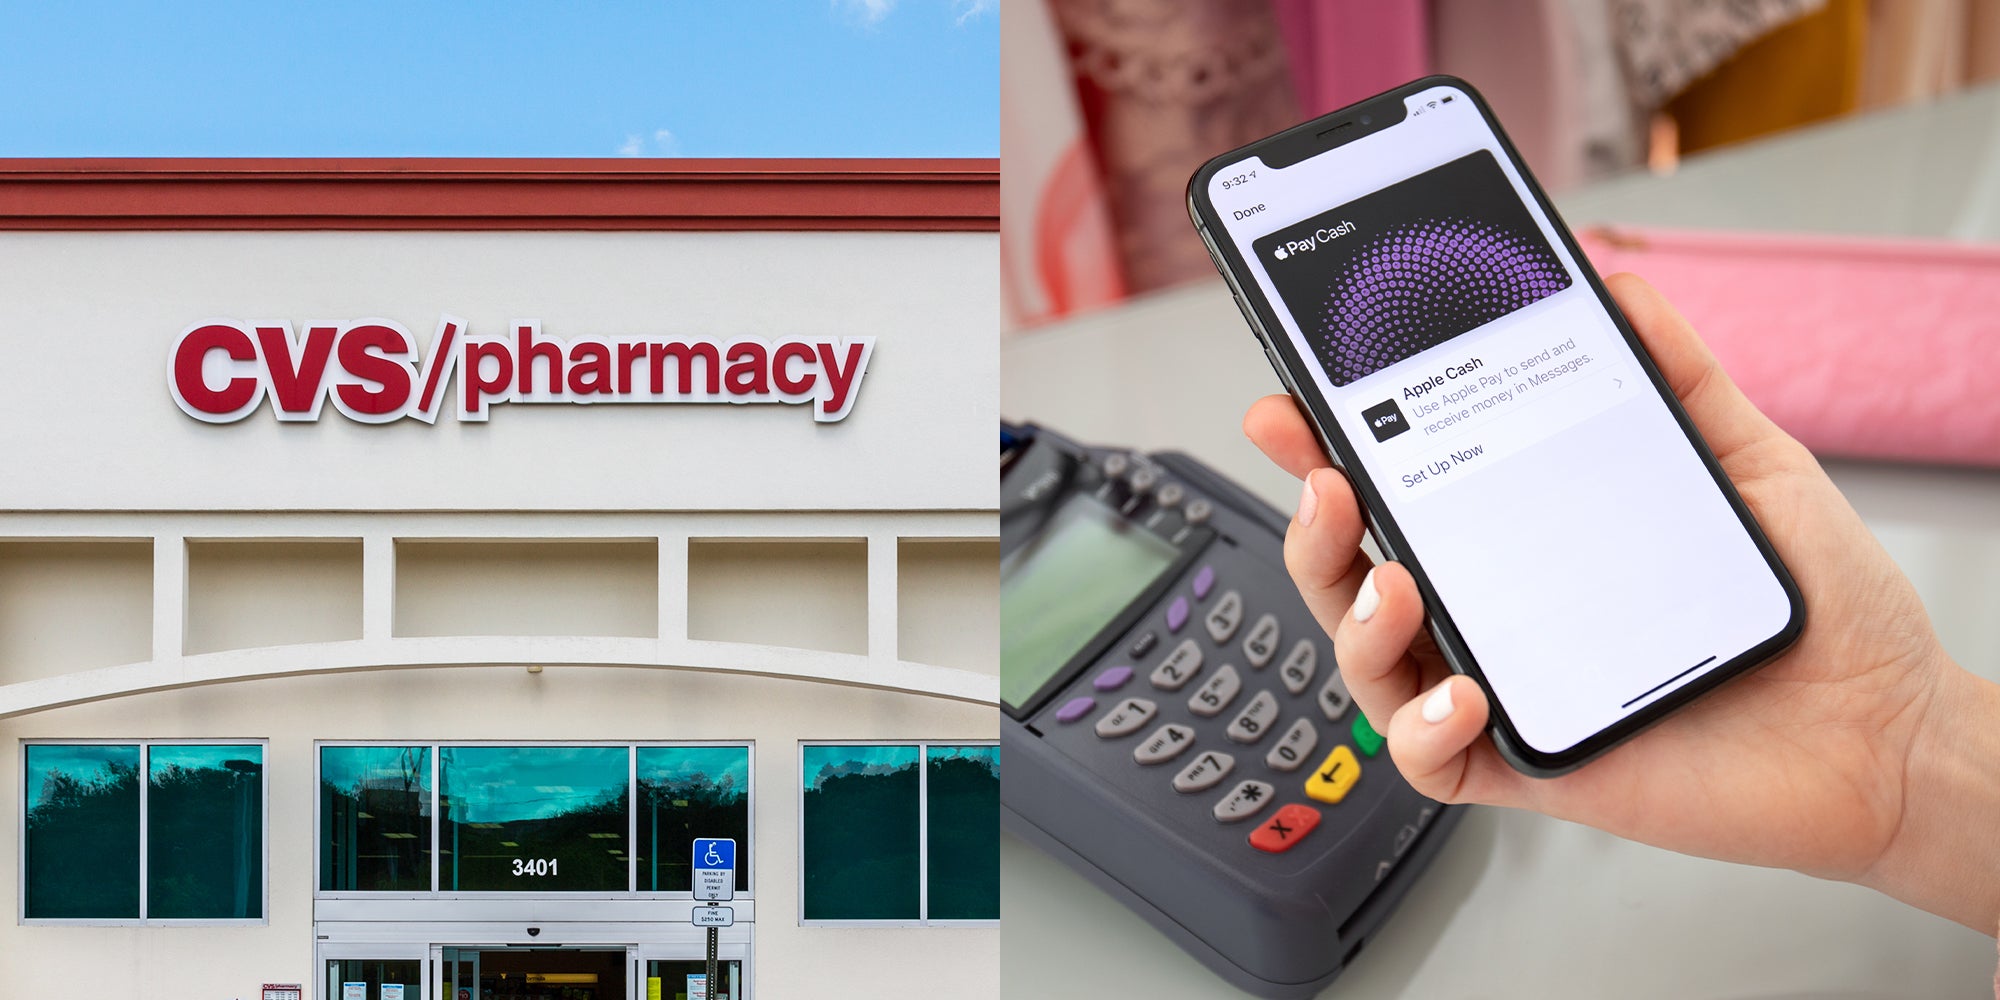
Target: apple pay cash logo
x=1385 y=419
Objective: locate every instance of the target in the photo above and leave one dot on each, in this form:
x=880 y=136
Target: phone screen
x=1567 y=526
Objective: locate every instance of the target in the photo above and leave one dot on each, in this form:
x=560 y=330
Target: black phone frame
x=1337 y=128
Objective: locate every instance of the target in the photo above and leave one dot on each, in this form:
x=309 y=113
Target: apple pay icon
x=1385 y=419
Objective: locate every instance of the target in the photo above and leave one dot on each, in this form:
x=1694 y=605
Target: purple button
x=1204 y=581
x=1074 y=709
x=1112 y=679
x=1177 y=614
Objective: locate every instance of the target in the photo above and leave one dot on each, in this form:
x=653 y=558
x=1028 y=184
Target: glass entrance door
x=474 y=973
x=375 y=978
x=681 y=979
x=372 y=971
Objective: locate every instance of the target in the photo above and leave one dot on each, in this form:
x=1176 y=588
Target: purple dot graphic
x=1424 y=282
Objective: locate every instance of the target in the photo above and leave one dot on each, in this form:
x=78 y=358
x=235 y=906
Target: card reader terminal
x=1174 y=723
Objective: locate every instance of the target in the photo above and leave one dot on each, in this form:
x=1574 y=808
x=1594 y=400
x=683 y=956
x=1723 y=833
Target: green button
x=1365 y=737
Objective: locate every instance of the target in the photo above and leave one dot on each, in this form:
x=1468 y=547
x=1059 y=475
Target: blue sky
x=500 y=78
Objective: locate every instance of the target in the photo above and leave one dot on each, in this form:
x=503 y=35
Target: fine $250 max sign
x=371 y=370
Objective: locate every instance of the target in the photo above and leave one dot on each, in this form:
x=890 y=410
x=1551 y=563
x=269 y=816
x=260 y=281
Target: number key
x=1299 y=665
x=1294 y=747
x=1225 y=618
x=1126 y=718
x=1206 y=772
x=1262 y=642
x=1256 y=719
x=1179 y=667
x=1216 y=694
x=1166 y=743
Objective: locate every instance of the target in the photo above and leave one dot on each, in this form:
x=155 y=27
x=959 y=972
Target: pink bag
x=1868 y=348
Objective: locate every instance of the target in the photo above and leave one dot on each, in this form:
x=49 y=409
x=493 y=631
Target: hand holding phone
x=1815 y=762
x=1580 y=553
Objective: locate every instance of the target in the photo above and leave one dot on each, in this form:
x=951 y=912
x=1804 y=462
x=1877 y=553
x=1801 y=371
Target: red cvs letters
x=374 y=372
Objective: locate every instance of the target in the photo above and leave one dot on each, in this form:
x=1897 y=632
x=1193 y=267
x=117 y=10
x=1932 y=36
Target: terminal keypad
x=1288 y=722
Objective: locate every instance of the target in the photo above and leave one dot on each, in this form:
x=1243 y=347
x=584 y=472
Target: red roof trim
x=523 y=194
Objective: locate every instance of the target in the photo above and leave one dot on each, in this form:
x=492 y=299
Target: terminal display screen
x=1065 y=586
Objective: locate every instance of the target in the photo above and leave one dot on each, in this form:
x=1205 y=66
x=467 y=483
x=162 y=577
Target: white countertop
x=1518 y=904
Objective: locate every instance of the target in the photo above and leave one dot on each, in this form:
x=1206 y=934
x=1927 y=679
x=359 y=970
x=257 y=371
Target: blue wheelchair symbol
x=715 y=853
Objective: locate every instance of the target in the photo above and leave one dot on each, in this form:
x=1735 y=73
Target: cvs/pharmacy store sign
x=372 y=371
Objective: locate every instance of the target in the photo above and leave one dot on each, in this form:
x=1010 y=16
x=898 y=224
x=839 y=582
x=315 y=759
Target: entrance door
x=471 y=973
x=372 y=971
x=681 y=979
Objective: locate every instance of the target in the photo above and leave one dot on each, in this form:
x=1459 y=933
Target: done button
x=1334 y=776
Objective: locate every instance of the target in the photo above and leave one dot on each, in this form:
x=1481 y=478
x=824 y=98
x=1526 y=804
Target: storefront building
x=402 y=564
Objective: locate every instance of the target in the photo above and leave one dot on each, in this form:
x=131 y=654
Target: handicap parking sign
x=714 y=868
x=715 y=853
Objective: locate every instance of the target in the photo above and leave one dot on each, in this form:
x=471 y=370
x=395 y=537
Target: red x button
x=1288 y=827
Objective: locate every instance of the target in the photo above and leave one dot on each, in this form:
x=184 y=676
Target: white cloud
x=969 y=9
x=664 y=143
x=869 y=11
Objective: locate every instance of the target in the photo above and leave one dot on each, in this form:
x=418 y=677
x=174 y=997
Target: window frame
x=145 y=747
x=923 y=918
x=436 y=894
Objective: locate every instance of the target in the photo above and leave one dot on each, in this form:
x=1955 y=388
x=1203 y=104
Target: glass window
x=375 y=819
x=198 y=816
x=534 y=819
x=861 y=857
x=205 y=832
x=82 y=832
x=685 y=793
x=962 y=812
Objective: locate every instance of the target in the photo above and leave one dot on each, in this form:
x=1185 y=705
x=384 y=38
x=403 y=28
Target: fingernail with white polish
x=1308 y=504
x=1437 y=707
x=1368 y=599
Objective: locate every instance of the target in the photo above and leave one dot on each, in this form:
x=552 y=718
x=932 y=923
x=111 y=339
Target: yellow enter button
x=1335 y=775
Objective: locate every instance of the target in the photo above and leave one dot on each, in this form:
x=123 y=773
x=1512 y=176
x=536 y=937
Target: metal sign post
x=714 y=881
x=712 y=932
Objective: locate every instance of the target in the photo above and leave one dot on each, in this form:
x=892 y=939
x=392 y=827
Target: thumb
x=1726 y=418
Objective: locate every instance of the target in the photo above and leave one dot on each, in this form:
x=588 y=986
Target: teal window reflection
x=375 y=819
x=82 y=832
x=685 y=793
x=962 y=810
x=205 y=832
x=534 y=819
x=860 y=853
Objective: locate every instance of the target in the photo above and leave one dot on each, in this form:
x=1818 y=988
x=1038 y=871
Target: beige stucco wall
x=182 y=628
x=492 y=703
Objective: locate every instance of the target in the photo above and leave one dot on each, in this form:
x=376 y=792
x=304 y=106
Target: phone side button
x=1276 y=368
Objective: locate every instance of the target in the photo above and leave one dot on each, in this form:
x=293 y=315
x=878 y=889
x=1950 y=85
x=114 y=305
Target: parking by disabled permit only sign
x=715 y=869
